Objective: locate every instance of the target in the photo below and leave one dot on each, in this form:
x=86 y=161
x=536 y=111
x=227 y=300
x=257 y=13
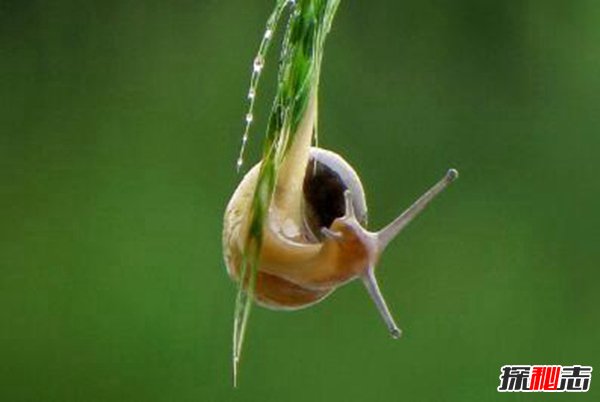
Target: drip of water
x=259 y=63
x=257 y=68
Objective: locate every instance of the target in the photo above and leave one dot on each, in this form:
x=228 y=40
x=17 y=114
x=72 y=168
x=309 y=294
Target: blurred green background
x=120 y=123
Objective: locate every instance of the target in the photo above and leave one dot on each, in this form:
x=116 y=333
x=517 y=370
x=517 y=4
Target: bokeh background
x=120 y=123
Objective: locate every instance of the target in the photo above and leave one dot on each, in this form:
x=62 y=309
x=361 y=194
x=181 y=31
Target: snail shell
x=327 y=178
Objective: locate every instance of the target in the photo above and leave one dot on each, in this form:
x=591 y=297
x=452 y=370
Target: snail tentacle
x=349 y=207
x=330 y=234
x=370 y=282
x=388 y=233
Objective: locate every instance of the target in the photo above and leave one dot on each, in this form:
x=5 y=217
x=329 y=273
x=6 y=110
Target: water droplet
x=245 y=139
x=268 y=33
x=258 y=64
x=239 y=163
x=249 y=118
x=251 y=93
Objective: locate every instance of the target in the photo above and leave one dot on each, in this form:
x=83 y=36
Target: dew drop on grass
x=258 y=64
x=257 y=67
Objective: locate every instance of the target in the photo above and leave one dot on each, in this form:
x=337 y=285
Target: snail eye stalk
x=387 y=234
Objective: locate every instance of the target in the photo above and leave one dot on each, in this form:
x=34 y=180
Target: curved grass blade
x=298 y=78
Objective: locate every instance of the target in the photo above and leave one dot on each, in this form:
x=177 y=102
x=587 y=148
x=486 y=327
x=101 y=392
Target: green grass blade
x=298 y=77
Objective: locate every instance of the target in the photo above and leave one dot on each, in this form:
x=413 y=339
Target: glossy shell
x=326 y=179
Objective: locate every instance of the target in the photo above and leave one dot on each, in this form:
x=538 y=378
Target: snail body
x=315 y=237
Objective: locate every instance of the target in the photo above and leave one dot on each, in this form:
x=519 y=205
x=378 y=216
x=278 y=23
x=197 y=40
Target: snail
x=314 y=237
